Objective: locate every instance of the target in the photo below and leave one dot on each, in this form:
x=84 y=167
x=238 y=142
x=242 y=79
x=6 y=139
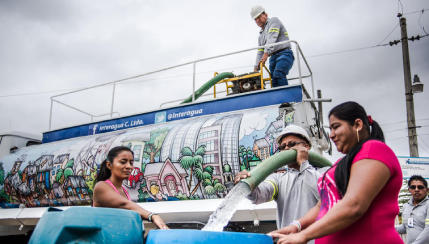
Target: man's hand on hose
x=241 y=175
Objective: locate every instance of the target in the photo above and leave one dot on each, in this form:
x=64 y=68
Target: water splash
x=227 y=208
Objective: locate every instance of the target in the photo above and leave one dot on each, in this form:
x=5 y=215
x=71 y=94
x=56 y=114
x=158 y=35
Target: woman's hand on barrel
x=157 y=220
x=290 y=229
x=241 y=175
x=298 y=238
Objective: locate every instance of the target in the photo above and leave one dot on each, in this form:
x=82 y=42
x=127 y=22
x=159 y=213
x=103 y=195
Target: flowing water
x=226 y=209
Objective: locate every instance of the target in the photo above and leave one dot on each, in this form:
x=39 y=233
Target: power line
x=346 y=51
x=417 y=11
x=394 y=28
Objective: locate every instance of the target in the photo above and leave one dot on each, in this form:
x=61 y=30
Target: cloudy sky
x=48 y=47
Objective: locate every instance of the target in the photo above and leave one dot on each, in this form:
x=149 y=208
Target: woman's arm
x=307 y=220
x=367 y=178
x=105 y=196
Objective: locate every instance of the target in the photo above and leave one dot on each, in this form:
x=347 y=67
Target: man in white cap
x=295 y=190
x=281 y=57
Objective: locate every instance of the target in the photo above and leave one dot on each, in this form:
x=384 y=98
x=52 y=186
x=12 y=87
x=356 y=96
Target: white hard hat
x=256 y=11
x=293 y=130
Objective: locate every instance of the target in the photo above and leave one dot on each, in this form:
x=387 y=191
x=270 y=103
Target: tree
x=193 y=162
x=68 y=172
x=59 y=177
x=153 y=146
x=212 y=186
x=245 y=154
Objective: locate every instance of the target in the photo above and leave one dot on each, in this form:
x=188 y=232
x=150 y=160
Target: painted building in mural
x=195 y=158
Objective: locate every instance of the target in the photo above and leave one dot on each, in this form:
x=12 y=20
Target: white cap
x=256 y=11
x=293 y=130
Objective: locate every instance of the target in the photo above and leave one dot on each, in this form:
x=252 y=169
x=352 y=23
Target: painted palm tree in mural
x=193 y=161
x=245 y=154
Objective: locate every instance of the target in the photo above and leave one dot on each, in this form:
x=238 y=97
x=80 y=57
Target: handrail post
x=299 y=64
x=50 y=114
x=113 y=101
x=193 y=81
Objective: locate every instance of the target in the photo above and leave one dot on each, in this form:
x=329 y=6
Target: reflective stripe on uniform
x=286 y=34
x=274 y=30
x=260 y=49
x=276 y=189
x=427 y=221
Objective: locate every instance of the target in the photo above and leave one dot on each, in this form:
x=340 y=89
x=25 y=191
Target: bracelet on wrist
x=149 y=217
x=297 y=224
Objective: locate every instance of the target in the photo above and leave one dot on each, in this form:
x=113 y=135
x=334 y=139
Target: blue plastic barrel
x=88 y=225
x=206 y=237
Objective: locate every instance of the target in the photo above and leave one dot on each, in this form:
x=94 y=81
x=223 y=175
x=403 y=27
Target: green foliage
x=1 y=174
x=187 y=162
x=201 y=150
x=208 y=169
x=198 y=173
x=219 y=187
x=59 y=176
x=193 y=162
x=207 y=182
x=3 y=196
x=209 y=190
x=226 y=168
x=206 y=175
x=91 y=181
x=68 y=172
x=70 y=163
x=153 y=146
x=143 y=195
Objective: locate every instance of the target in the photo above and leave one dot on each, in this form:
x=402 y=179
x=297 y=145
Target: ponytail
x=104 y=173
x=350 y=111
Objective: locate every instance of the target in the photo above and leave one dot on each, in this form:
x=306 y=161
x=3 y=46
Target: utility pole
x=411 y=121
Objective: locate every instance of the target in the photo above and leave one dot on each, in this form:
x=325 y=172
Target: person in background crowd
x=108 y=190
x=415 y=216
x=359 y=193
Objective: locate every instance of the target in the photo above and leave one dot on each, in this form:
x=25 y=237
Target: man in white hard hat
x=295 y=190
x=281 y=56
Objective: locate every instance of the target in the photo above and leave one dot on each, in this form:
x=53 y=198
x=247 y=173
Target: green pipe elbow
x=207 y=85
x=269 y=165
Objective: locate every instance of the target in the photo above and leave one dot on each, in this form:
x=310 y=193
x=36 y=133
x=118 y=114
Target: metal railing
x=300 y=77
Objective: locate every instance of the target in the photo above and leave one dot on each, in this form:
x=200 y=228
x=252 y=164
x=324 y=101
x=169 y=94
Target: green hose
x=269 y=165
x=208 y=85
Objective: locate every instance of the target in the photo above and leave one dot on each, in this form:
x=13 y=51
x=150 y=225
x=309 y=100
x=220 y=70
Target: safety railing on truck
x=298 y=53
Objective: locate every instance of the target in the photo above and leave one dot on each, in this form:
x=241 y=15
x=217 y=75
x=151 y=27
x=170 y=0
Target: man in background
x=415 y=216
x=281 y=56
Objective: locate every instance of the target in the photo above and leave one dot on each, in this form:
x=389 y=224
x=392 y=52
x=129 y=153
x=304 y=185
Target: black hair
x=104 y=173
x=349 y=112
x=419 y=178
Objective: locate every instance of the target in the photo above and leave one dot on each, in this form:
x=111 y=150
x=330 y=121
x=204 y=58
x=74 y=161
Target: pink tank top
x=123 y=188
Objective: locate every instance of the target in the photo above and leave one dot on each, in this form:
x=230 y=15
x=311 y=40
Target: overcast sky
x=52 y=47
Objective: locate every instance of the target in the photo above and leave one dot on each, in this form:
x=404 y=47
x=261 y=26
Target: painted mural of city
x=189 y=159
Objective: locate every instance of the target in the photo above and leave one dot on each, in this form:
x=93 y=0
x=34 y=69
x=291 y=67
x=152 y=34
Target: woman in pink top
x=109 y=192
x=359 y=193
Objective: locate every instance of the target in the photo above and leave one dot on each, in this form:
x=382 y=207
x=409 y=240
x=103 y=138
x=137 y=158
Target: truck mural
x=188 y=159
